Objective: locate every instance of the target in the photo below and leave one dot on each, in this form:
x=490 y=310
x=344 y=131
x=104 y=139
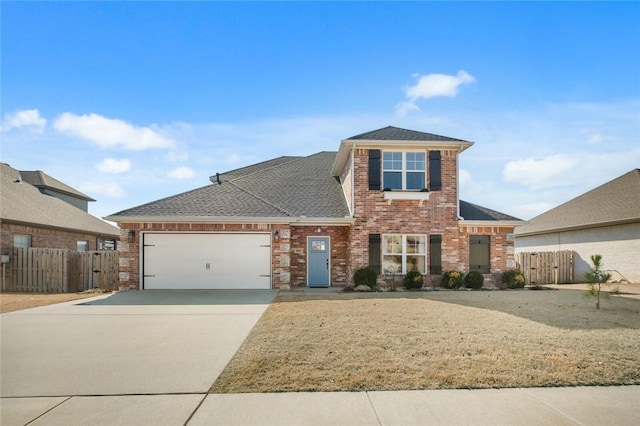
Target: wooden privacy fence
x=43 y=270
x=547 y=267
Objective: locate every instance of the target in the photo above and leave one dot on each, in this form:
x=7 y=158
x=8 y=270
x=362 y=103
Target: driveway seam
x=196 y=409
x=373 y=408
x=551 y=407
x=48 y=411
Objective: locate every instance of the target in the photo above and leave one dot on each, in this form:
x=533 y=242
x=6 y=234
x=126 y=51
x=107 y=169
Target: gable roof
x=397 y=138
x=474 y=212
x=282 y=189
x=23 y=203
x=42 y=180
x=391 y=133
x=615 y=202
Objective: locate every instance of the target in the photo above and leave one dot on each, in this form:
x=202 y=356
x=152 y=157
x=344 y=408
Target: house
x=386 y=199
x=37 y=210
x=605 y=220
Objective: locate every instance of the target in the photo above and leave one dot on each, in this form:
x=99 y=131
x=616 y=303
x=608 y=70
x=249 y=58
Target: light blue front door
x=318 y=261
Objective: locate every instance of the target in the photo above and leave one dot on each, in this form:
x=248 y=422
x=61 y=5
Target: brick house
x=387 y=199
x=42 y=212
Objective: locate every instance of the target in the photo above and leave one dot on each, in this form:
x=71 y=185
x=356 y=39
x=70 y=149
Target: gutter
x=302 y=220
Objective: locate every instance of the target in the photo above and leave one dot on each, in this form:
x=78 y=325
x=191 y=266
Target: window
x=21 y=241
x=82 y=245
x=403 y=253
x=403 y=170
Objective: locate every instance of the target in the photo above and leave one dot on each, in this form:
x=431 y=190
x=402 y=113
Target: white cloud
x=181 y=173
x=28 y=118
x=111 y=133
x=112 y=165
x=109 y=189
x=430 y=86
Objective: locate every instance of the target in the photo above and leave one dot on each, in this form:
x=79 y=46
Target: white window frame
x=25 y=243
x=404 y=170
x=85 y=243
x=384 y=250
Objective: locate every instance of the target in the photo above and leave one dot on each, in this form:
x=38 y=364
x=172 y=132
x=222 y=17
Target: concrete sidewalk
x=615 y=405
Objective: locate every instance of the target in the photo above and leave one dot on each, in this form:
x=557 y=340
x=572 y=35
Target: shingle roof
x=279 y=188
x=617 y=201
x=40 y=179
x=470 y=211
x=22 y=202
x=391 y=133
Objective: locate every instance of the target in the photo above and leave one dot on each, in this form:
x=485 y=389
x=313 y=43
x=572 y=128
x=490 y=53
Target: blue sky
x=132 y=102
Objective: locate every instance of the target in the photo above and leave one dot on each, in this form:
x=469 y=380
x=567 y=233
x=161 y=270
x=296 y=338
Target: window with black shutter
x=374 y=170
x=435 y=171
x=374 y=252
x=435 y=254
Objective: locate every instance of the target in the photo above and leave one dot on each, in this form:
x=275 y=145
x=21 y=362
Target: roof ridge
x=291 y=157
x=260 y=198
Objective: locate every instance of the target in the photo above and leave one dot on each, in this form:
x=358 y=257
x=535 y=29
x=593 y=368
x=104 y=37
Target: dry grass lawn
x=437 y=340
x=10 y=302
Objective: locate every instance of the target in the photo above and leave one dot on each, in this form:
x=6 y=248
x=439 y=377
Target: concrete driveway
x=128 y=343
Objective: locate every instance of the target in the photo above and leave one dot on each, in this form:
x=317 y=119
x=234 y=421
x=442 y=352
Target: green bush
x=365 y=276
x=452 y=279
x=413 y=280
x=513 y=278
x=474 y=280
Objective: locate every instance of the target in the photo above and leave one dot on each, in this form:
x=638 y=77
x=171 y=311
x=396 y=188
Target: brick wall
x=338 y=237
x=45 y=237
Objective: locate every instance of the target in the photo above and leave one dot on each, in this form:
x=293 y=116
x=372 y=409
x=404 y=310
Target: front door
x=318 y=262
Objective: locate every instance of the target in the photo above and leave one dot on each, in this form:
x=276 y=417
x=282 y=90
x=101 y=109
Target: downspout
x=458 y=182
x=353 y=180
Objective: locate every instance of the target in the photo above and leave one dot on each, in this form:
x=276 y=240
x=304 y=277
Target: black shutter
x=374 y=252
x=435 y=171
x=374 y=169
x=435 y=254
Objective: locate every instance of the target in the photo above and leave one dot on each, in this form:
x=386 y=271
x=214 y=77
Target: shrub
x=413 y=280
x=513 y=278
x=365 y=276
x=474 y=279
x=452 y=279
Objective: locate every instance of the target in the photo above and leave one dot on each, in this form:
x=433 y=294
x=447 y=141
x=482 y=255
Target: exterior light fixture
x=276 y=236
x=132 y=236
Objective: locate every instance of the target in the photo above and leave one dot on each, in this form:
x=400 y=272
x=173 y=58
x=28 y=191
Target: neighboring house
x=387 y=199
x=605 y=220
x=37 y=210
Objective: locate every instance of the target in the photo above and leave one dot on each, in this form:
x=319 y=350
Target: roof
x=278 y=189
x=42 y=180
x=615 y=202
x=398 y=139
x=391 y=133
x=469 y=211
x=23 y=203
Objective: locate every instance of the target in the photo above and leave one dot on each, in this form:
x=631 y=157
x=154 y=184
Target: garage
x=206 y=261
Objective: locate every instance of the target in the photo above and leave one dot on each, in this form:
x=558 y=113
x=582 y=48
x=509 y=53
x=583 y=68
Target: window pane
x=416 y=244
x=392 y=264
x=21 y=241
x=416 y=161
x=415 y=180
x=392 y=161
x=82 y=246
x=415 y=263
x=392 y=244
x=392 y=180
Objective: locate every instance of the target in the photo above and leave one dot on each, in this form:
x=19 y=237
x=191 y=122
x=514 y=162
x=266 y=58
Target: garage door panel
x=207 y=261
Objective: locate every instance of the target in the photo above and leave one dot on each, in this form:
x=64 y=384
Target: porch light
x=276 y=236
x=132 y=236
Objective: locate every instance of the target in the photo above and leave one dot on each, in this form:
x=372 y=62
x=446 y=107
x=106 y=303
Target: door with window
x=318 y=268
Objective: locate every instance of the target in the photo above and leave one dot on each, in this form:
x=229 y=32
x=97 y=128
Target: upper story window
x=403 y=171
x=21 y=241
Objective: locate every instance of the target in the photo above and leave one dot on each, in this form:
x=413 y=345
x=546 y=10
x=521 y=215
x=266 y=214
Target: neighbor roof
x=42 y=180
x=278 y=189
x=23 y=203
x=615 y=202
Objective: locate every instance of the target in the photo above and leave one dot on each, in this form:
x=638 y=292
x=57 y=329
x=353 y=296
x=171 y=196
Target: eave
x=302 y=220
x=577 y=227
x=499 y=223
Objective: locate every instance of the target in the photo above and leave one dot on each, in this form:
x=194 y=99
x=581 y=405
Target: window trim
x=28 y=238
x=403 y=254
x=404 y=170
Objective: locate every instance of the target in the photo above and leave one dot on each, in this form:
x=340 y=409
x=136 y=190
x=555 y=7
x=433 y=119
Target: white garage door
x=206 y=261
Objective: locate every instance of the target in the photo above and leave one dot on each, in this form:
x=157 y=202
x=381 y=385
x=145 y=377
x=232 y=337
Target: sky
x=131 y=102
